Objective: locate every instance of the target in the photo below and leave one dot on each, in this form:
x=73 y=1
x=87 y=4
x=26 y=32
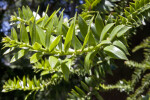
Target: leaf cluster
x=57 y=47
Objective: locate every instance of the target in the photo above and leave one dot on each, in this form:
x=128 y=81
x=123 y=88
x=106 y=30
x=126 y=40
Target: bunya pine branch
x=52 y=36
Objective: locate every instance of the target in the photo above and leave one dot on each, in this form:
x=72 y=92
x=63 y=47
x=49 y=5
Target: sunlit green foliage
x=57 y=47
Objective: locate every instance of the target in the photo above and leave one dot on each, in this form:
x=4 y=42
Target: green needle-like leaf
x=33 y=33
x=8 y=50
x=37 y=46
x=115 y=52
x=69 y=37
x=83 y=26
x=24 y=81
x=88 y=60
x=41 y=34
x=30 y=14
x=120 y=45
x=59 y=30
x=25 y=13
x=48 y=33
x=75 y=41
x=18 y=55
x=23 y=34
x=65 y=71
x=75 y=93
x=85 y=87
x=95 y=2
x=53 y=61
x=47 y=24
x=115 y=31
x=60 y=23
x=87 y=35
x=99 y=24
x=14 y=34
x=35 y=57
x=123 y=30
x=55 y=43
x=82 y=93
x=105 y=30
x=20 y=13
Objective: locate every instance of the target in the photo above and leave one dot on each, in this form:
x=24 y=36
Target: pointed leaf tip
x=55 y=43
